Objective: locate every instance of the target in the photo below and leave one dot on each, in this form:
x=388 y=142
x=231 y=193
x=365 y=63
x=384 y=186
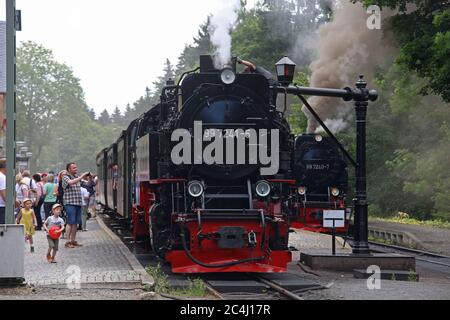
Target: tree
x=202 y=45
x=275 y=28
x=256 y=38
x=91 y=113
x=424 y=37
x=44 y=87
x=168 y=73
x=104 y=119
x=128 y=115
x=116 y=117
x=53 y=117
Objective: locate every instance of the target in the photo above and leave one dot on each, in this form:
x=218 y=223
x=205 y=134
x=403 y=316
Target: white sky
x=116 y=47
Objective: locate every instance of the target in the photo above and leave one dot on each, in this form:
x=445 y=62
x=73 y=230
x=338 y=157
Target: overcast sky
x=116 y=47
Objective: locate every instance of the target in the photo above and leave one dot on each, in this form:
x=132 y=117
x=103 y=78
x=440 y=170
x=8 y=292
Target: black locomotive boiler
x=210 y=174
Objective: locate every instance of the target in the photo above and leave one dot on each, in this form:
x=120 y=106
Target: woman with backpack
x=22 y=191
x=39 y=199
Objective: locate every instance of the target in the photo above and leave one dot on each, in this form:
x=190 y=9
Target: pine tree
x=116 y=117
x=169 y=73
x=104 y=119
x=91 y=113
x=128 y=115
x=189 y=58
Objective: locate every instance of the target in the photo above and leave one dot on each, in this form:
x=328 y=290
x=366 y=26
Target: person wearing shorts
x=53 y=221
x=73 y=202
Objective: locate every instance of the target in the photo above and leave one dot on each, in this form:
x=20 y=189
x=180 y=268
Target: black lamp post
x=285 y=71
x=361 y=245
x=361 y=96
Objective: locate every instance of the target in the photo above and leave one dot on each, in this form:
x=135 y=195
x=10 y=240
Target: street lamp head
x=285 y=71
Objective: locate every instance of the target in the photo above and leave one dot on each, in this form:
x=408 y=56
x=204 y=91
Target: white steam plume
x=221 y=23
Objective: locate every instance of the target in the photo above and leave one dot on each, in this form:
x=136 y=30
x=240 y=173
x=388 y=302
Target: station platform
x=312 y=242
x=103 y=258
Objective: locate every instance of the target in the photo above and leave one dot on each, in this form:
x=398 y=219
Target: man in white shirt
x=2 y=190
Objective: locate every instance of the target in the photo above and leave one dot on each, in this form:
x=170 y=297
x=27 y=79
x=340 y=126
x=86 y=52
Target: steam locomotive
x=213 y=176
x=320 y=170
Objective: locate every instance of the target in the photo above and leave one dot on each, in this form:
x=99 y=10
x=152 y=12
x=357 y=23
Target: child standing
x=27 y=217
x=54 y=221
x=84 y=210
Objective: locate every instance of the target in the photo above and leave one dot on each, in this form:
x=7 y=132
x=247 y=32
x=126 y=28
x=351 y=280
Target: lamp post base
x=361 y=248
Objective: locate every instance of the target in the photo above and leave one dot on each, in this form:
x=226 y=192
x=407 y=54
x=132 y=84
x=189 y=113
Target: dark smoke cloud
x=346 y=47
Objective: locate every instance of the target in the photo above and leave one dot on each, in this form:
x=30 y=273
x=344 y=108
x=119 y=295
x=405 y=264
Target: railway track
x=244 y=286
x=420 y=255
x=252 y=286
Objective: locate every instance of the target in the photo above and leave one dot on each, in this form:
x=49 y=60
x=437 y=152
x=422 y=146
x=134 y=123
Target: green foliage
x=408 y=134
x=160 y=278
x=297 y=119
x=424 y=37
x=408 y=167
x=195 y=288
x=189 y=58
x=412 y=276
x=431 y=223
x=52 y=116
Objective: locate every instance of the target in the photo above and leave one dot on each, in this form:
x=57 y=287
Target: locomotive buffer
x=361 y=256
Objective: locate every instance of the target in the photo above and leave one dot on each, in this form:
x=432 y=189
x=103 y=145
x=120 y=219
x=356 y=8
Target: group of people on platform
x=46 y=201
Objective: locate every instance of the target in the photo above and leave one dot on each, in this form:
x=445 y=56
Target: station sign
x=334 y=218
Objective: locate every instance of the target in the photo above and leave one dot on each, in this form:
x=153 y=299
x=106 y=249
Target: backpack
x=59 y=192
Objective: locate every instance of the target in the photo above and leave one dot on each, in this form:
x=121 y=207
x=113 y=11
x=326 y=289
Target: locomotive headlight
x=318 y=138
x=195 y=188
x=228 y=76
x=301 y=191
x=263 y=189
x=335 y=192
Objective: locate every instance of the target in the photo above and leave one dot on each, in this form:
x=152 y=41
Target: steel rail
x=280 y=289
x=418 y=253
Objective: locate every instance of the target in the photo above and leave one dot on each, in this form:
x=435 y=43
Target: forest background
x=408 y=129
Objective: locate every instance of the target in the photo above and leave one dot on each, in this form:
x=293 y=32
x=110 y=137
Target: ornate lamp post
x=361 y=95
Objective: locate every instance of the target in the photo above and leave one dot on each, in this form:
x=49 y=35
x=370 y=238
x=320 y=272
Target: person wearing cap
x=27 y=218
x=54 y=221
